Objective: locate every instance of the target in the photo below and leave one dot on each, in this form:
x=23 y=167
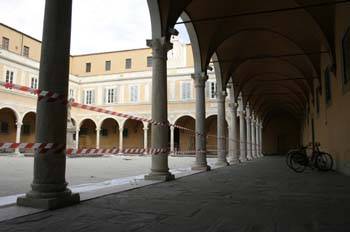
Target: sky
x=115 y=25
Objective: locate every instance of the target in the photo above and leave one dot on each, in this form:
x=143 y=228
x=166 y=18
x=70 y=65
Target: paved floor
x=16 y=173
x=262 y=195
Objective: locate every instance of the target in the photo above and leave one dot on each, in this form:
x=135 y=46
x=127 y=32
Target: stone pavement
x=261 y=195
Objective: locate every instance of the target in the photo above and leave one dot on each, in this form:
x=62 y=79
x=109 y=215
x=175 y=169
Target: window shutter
x=92 y=97
x=207 y=88
x=83 y=100
x=115 y=95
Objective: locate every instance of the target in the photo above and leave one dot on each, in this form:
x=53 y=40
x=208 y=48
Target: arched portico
x=185 y=140
x=87 y=133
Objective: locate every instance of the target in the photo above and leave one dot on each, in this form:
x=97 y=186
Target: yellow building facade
x=119 y=81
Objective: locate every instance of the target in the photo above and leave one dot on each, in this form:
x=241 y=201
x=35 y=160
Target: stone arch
x=8 y=128
x=133 y=134
x=211 y=130
x=185 y=140
x=109 y=133
x=28 y=127
x=87 y=133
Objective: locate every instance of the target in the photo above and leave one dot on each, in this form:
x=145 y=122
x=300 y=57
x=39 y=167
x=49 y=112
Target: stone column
x=18 y=136
x=160 y=168
x=49 y=187
x=254 y=153
x=257 y=138
x=77 y=138
x=172 y=140
x=145 y=139
x=222 y=151
x=234 y=144
x=260 y=138
x=98 y=130
x=201 y=146
x=242 y=137
x=121 y=129
x=249 y=136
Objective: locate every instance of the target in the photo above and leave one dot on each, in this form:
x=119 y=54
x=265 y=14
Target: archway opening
x=184 y=140
x=211 y=129
x=87 y=134
x=109 y=134
x=8 y=127
x=28 y=130
x=133 y=134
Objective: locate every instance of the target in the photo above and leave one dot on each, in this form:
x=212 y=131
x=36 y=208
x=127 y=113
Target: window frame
x=88 y=66
x=26 y=51
x=34 y=82
x=128 y=63
x=2 y=131
x=14 y=74
x=189 y=95
x=92 y=97
x=108 y=65
x=137 y=89
x=114 y=96
x=149 y=61
x=7 y=43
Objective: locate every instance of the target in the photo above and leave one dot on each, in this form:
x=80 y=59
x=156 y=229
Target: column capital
x=145 y=128
x=160 y=47
x=199 y=79
x=19 y=124
x=221 y=95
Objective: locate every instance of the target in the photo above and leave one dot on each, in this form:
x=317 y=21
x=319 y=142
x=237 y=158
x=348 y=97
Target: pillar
x=254 y=152
x=234 y=144
x=260 y=138
x=98 y=130
x=201 y=146
x=18 y=136
x=172 y=140
x=49 y=187
x=77 y=138
x=222 y=151
x=145 y=138
x=159 y=139
x=121 y=129
x=242 y=137
x=249 y=136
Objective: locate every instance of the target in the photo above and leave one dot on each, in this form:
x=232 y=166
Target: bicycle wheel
x=324 y=161
x=289 y=157
x=298 y=161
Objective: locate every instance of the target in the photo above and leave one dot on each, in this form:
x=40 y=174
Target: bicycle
x=298 y=160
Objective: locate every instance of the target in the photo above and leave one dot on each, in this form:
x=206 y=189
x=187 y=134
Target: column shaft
x=49 y=187
x=201 y=146
x=249 y=138
x=77 y=139
x=172 y=140
x=121 y=129
x=234 y=144
x=222 y=150
x=98 y=138
x=145 y=139
x=254 y=153
x=242 y=137
x=18 y=135
x=159 y=169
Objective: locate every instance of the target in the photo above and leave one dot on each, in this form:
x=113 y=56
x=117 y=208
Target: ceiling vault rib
x=254 y=13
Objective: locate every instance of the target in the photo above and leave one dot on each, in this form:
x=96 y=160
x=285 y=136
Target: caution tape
x=94 y=151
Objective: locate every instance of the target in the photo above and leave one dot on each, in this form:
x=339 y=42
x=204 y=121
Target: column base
x=242 y=160
x=49 y=203
x=234 y=161
x=203 y=168
x=160 y=177
x=249 y=158
x=221 y=163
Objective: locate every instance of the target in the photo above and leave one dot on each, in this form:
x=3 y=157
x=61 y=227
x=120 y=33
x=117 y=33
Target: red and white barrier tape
x=94 y=151
x=26 y=145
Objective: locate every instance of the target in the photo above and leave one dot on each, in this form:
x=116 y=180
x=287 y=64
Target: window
x=134 y=93
x=89 y=97
x=186 y=92
x=149 y=61
x=4 y=127
x=104 y=132
x=9 y=76
x=110 y=95
x=5 y=43
x=34 y=83
x=346 y=58
x=26 y=51
x=26 y=129
x=88 y=67
x=128 y=63
x=108 y=65
x=210 y=89
x=327 y=77
x=71 y=93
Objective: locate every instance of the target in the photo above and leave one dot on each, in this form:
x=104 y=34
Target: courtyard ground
x=261 y=195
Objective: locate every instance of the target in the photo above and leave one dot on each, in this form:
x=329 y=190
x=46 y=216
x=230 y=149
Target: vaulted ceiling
x=269 y=50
